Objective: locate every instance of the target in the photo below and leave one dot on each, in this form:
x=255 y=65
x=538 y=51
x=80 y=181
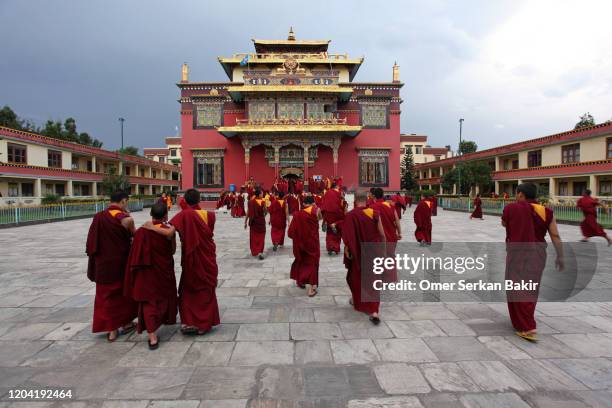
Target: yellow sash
x=428 y=203
x=540 y=210
x=114 y=212
x=203 y=215
x=369 y=212
x=308 y=209
x=258 y=201
x=387 y=204
x=281 y=202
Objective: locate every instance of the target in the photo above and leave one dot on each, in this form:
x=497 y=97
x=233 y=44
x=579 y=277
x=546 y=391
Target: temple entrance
x=292 y=173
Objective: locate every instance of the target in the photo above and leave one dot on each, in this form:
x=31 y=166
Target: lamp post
x=121 y=120
x=459 y=153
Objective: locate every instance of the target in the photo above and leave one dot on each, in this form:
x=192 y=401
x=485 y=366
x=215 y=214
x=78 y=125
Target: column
x=440 y=189
x=305 y=147
x=593 y=185
x=69 y=189
x=454 y=189
x=497 y=187
x=120 y=168
x=247 y=160
x=37 y=188
x=477 y=190
x=276 y=160
x=551 y=189
x=94 y=189
x=93 y=164
x=335 y=153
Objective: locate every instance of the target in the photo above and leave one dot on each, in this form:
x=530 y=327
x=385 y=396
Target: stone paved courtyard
x=278 y=348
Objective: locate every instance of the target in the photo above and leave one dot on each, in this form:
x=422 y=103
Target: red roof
x=413 y=138
x=435 y=150
x=155 y=151
x=173 y=140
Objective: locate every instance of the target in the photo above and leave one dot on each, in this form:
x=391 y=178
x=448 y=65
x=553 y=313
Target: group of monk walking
x=134 y=268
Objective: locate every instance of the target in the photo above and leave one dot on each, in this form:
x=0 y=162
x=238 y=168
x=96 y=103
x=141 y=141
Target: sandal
x=527 y=336
x=189 y=331
x=126 y=329
x=153 y=346
x=108 y=337
x=375 y=320
x=312 y=293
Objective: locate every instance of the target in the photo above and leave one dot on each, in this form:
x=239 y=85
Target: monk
x=391 y=225
x=422 y=219
x=279 y=212
x=293 y=203
x=527 y=223
x=361 y=225
x=477 y=213
x=589 y=226
x=239 y=213
x=408 y=200
x=333 y=216
x=197 y=287
x=399 y=204
x=169 y=201
x=304 y=231
x=108 y=247
x=149 y=276
x=434 y=205
x=256 y=220
x=370 y=200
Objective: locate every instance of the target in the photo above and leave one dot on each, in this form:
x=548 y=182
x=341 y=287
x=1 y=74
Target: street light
x=122 y=120
x=459 y=153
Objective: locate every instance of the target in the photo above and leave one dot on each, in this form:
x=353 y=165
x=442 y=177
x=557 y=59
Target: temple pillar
x=247 y=160
x=305 y=147
x=38 y=188
x=335 y=149
x=593 y=185
x=276 y=161
x=69 y=189
x=94 y=189
x=551 y=189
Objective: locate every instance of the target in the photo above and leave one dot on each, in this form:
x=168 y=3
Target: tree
x=115 y=182
x=8 y=118
x=467 y=146
x=131 y=150
x=408 y=181
x=586 y=120
x=473 y=173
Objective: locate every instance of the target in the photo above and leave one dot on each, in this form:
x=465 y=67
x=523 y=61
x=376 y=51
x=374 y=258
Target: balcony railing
x=287 y=55
x=294 y=122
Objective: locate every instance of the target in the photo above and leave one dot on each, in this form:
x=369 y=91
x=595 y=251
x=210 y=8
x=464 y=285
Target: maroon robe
x=422 y=219
x=589 y=226
x=257 y=225
x=333 y=213
x=108 y=248
x=150 y=280
x=434 y=206
x=387 y=218
x=240 y=206
x=293 y=203
x=398 y=201
x=304 y=231
x=197 y=287
x=477 y=213
x=526 y=227
x=278 y=221
x=360 y=226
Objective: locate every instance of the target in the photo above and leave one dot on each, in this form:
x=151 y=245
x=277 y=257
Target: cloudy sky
x=513 y=69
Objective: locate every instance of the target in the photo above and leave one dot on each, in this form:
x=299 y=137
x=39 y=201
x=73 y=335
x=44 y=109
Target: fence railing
x=13 y=216
x=567 y=213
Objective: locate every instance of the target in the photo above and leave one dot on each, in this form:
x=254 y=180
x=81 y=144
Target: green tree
x=473 y=173
x=131 y=150
x=467 y=146
x=114 y=182
x=408 y=181
x=9 y=118
x=586 y=120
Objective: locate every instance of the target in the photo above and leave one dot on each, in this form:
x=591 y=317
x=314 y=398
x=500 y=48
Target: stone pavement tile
x=154 y=383
x=12 y=353
x=454 y=328
x=365 y=330
x=29 y=331
x=66 y=290
x=263 y=291
x=441 y=400
x=70 y=314
x=126 y=404
x=503 y=348
x=603 y=323
x=466 y=311
x=362 y=381
x=418 y=328
x=487 y=400
x=301 y=315
x=223 y=332
x=558 y=399
x=600 y=399
x=47 y=301
x=208 y=353
x=429 y=312
x=315 y=302
x=569 y=324
x=335 y=290
x=14 y=377
x=60 y=354
x=231 y=403
x=459 y=349
x=591 y=345
x=9 y=313
x=227 y=302
x=312 y=351
x=447 y=377
x=354 y=351
x=547 y=347
x=77 y=301
x=488 y=327
x=164 y=333
x=16 y=300
x=393 y=312
x=66 y=331
x=174 y=404
x=595 y=373
x=400 y=378
x=493 y=376
x=218 y=383
x=337 y=314
x=559 y=309
x=543 y=375
x=263 y=331
x=280 y=383
x=231 y=291
x=315 y=331
x=169 y=354
x=326 y=381
x=386 y=402
x=29 y=404
x=253 y=353
x=405 y=350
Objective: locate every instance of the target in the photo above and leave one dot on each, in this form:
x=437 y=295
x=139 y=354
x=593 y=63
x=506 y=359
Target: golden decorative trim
x=290 y=88
x=288 y=128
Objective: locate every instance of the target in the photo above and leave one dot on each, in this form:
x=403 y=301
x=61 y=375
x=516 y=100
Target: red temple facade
x=290 y=109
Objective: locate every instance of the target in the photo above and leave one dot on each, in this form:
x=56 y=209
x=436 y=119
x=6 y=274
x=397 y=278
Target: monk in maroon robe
x=332 y=208
x=361 y=225
x=149 y=276
x=422 y=219
x=293 y=203
x=477 y=213
x=240 y=212
x=197 y=287
x=589 y=226
x=256 y=221
x=304 y=231
x=391 y=225
x=108 y=247
x=399 y=204
x=370 y=198
x=279 y=212
x=527 y=223
x=408 y=200
x=434 y=205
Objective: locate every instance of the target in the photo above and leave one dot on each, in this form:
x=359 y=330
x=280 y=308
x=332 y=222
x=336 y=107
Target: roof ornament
x=291 y=36
x=396 y=72
x=185 y=73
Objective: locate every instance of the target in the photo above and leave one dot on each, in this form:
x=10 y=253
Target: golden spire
x=396 y=72
x=185 y=73
x=291 y=36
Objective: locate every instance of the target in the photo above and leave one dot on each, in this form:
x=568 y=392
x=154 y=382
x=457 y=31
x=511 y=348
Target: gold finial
x=396 y=72
x=214 y=92
x=185 y=73
x=368 y=92
x=291 y=36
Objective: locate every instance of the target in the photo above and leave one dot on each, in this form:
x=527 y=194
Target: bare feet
x=153 y=341
x=312 y=291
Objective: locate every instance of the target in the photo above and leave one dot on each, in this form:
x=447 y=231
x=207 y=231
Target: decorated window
x=17 y=153
x=208 y=115
x=262 y=110
x=374 y=115
x=374 y=168
x=319 y=110
x=54 y=158
x=208 y=168
x=290 y=110
x=570 y=153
